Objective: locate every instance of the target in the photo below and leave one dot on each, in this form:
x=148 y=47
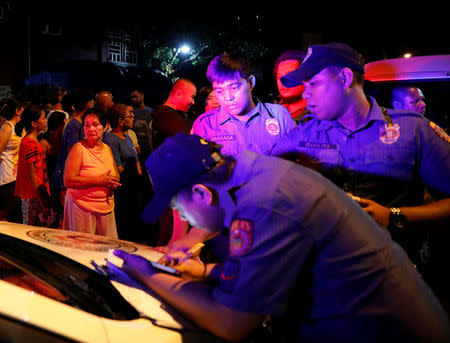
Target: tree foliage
x=168 y=59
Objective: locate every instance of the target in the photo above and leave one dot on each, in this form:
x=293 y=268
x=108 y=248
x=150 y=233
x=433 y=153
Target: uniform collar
x=240 y=177
x=223 y=116
x=375 y=114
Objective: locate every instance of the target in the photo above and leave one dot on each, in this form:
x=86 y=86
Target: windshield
x=62 y=279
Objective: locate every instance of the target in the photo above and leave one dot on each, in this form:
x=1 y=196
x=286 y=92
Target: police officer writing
x=301 y=251
x=382 y=157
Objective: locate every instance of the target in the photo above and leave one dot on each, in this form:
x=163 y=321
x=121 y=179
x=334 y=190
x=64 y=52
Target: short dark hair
x=77 y=99
x=297 y=55
x=116 y=112
x=226 y=66
x=55 y=119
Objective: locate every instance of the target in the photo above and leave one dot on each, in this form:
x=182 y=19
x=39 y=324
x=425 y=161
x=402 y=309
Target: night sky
x=376 y=29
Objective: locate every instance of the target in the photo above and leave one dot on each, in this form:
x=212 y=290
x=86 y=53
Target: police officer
x=240 y=123
x=301 y=251
x=380 y=156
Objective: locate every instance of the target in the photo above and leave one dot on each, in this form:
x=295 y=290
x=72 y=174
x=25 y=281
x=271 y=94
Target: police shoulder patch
x=440 y=131
x=241 y=237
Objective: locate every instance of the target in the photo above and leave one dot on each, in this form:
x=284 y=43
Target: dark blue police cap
x=319 y=57
x=176 y=163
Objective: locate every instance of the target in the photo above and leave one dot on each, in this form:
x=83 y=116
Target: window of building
x=122 y=49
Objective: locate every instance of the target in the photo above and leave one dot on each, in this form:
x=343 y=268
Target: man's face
x=324 y=95
x=414 y=100
x=284 y=68
x=187 y=97
x=234 y=96
x=136 y=98
x=127 y=121
x=196 y=212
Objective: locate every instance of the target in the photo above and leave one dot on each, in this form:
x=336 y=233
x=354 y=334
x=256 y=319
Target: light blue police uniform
x=382 y=161
x=299 y=254
x=265 y=125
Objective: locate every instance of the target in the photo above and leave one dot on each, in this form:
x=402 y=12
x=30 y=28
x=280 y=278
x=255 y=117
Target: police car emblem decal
x=272 y=126
x=241 y=237
x=440 y=131
x=390 y=134
x=79 y=240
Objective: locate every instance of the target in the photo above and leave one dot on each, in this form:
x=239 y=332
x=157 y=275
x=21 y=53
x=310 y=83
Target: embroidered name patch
x=241 y=237
x=272 y=126
x=440 y=131
x=312 y=145
x=389 y=134
x=222 y=138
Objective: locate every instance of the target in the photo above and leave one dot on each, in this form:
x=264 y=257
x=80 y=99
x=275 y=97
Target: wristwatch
x=396 y=219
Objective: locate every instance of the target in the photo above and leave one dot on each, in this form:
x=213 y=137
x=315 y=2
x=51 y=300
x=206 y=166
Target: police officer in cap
x=301 y=251
x=382 y=157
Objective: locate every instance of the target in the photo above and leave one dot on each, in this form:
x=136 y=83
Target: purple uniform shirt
x=265 y=125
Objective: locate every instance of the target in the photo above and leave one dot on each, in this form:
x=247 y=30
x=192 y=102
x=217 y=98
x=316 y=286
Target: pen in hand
x=194 y=251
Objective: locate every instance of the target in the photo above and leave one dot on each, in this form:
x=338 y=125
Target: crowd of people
x=345 y=239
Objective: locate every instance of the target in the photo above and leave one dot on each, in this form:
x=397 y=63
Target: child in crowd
x=32 y=181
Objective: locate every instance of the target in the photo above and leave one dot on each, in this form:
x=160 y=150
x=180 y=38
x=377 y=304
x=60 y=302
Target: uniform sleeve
x=289 y=123
x=285 y=144
x=435 y=158
x=263 y=246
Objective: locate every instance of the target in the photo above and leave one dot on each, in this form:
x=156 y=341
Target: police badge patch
x=440 y=131
x=272 y=126
x=389 y=134
x=241 y=237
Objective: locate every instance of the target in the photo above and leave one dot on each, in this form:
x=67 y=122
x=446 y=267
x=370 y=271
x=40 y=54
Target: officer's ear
x=396 y=105
x=252 y=81
x=346 y=77
x=202 y=194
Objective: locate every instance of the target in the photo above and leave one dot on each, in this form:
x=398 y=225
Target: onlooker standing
x=103 y=101
x=127 y=198
x=143 y=116
x=50 y=141
x=11 y=110
x=205 y=101
x=32 y=182
x=169 y=119
x=73 y=133
x=91 y=176
x=408 y=98
x=291 y=98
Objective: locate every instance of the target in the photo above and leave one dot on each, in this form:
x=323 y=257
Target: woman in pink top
x=91 y=176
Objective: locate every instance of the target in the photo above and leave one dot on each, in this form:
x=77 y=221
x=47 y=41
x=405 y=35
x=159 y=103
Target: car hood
x=83 y=248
